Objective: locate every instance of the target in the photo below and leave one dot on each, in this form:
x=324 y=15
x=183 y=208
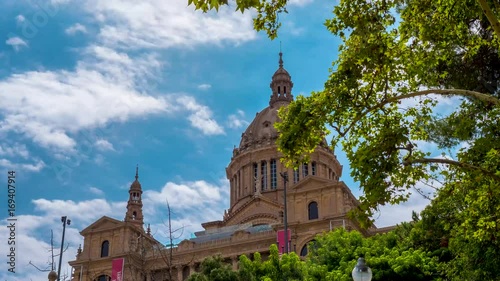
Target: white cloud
x=237 y=120
x=394 y=214
x=204 y=86
x=104 y=145
x=16 y=43
x=201 y=116
x=84 y=211
x=96 y=191
x=299 y=3
x=185 y=195
x=163 y=24
x=33 y=167
x=20 y=19
x=50 y=106
x=77 y=27
x=13 y=150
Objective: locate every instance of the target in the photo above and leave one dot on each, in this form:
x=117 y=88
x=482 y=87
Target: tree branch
x=490 y=16
x=443 y=92
x=447 y=92
x=452 y=163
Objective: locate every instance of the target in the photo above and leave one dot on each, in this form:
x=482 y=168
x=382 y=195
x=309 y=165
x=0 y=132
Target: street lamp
x=284 y=175
x=361 y=271
x=65 y=221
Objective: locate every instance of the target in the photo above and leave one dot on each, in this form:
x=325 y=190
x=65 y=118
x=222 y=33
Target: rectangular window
x=313 y=168
x=255 y=175
x=274 y=182
x=263 y=172
x=305 y=170
x=296 y=175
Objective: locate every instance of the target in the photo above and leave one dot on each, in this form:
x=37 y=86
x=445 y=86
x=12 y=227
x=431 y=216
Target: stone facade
x=316 y=202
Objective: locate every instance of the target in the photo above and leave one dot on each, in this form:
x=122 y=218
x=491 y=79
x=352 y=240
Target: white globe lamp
x=361 y=271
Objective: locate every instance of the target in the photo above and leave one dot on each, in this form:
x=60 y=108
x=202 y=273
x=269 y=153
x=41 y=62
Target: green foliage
x=335 y=254
x=333 y=257
x=381 y=64
x=397 y=60
x=214 y=269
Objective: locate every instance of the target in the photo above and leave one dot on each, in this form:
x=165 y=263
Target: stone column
x=234 y=262
x=192 y=269
x=179 y=273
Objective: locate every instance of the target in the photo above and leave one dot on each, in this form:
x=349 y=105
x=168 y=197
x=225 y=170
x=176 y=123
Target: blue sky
x=89 y=89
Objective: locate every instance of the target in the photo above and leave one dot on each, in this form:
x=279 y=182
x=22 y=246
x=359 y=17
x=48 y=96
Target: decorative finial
x=137 y=172
x=148 y=232
x=281 y=59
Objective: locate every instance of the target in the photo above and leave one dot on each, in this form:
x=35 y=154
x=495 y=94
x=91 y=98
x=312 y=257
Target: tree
x=214 y=269
x=397 y=59
x=335 y=254
x=381 y=65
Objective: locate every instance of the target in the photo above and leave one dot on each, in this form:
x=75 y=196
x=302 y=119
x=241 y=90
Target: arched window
x=279 y=92
x=305 y=250
x=105 y=249
x=313 y=168
x=284 y=90
x=103 y=278
x=134 y=215
x=313 y=210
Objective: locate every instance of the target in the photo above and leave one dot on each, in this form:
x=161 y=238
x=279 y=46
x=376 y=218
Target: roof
x=227 y=232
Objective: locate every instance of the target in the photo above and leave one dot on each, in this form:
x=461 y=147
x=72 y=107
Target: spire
x=281 y=85
x=134 y=204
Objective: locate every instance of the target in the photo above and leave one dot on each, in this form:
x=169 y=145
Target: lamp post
x=284 y=175
x=65 y=221
x=361 y=271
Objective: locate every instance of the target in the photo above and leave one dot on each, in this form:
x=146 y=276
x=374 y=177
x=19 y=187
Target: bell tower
x=281 y=86
x=134 y=204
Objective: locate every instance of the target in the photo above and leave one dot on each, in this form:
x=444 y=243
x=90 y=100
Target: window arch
x=103 y=278
x=105 y=249
x=305 y=250
x=313 y=210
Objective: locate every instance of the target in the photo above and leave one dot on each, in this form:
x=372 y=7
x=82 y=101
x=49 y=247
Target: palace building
x=316 y=200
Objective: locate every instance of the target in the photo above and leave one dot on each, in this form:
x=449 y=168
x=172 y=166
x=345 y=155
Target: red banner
x=117 y=269
x=280 y=235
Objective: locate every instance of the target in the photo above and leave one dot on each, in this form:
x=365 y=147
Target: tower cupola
x=134 y=204
x=281 y=86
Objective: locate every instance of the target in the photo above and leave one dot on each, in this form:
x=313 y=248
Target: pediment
x=309 y=183
x=258 y=209
x=104 y=223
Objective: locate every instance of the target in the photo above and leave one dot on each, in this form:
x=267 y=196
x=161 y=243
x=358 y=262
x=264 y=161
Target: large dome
x=261 y=130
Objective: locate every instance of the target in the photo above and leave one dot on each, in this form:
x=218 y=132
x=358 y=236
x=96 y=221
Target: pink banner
x=280 y=235
x=117 y=269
